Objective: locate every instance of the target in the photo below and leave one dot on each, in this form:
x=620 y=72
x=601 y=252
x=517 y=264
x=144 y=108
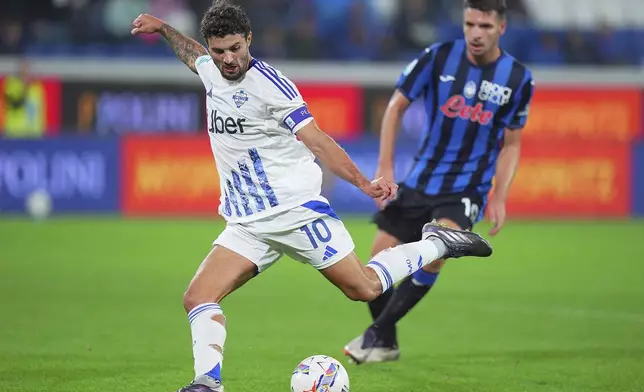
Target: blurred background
x=70 y=68
x=113 y=129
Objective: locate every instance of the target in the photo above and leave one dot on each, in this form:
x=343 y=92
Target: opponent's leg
x=376 y=344
x=411 y=290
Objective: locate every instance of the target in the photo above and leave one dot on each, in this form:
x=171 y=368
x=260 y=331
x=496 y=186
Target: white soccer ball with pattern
x=320 y=373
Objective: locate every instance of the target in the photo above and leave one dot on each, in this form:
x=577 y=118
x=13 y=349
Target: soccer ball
x=320 y=373
x=38 y=204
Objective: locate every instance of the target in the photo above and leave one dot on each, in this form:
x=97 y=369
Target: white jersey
x=252 y=122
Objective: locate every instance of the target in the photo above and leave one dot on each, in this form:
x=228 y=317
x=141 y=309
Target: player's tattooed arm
x=187 y=49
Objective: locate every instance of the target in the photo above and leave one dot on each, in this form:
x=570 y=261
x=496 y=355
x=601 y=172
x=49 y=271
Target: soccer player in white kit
x=264 y=141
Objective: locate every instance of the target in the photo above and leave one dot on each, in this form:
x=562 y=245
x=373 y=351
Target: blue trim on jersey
x=279 y=82
x=227 y=210
x=321 y=208
x=296 y=117
x=233 y=198
x=253 y=62
x=261 y=176
x=242 y=194
x=433 y=130
x=252 y=189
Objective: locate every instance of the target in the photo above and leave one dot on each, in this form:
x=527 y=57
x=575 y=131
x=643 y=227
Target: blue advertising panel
x=638 y=179
x=346 y=198
x=80 y=174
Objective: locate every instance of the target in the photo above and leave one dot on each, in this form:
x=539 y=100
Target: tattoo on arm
x=186 y=49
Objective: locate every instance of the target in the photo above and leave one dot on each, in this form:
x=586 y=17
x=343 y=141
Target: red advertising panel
x=38 y=115
x=337 y=108
x=585 y=113
x=165 y=176
x=584 y=179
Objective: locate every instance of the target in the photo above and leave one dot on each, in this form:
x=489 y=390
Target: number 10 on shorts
x=317 y=231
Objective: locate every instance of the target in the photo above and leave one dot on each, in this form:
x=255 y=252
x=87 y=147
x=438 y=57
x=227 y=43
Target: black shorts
x=405 y=216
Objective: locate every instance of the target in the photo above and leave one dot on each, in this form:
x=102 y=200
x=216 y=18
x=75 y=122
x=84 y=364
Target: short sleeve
x=521 y=108
x=201 y=65
x=416 y=77
x=284 y=101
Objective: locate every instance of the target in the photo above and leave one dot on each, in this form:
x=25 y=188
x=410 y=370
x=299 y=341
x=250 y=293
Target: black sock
x=378 y=305
x=374 y=335
x=405 y=297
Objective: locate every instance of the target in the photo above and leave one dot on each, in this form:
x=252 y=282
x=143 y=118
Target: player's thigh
x=236 y=257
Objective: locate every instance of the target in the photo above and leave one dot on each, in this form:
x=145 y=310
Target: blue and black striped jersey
x=468 y=108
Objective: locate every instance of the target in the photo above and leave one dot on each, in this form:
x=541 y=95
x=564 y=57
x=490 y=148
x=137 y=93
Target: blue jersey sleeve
x=519 y=115
x=416 y=78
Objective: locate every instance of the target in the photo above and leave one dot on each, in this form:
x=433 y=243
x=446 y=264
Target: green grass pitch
x=94 y=304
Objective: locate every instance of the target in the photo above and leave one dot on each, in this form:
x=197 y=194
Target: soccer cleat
x=358 y=354
x=203 y=383
x=459 y=243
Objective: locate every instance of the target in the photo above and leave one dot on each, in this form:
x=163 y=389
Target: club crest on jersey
x=470 y=89
x=240 y=98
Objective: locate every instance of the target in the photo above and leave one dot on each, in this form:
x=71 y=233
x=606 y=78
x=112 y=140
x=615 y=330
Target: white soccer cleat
x=359 y=355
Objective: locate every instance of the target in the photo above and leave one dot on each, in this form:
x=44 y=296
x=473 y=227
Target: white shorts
x=311 y=233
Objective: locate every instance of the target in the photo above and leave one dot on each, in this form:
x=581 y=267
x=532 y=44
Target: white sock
x=206 y=335
x=394 y=264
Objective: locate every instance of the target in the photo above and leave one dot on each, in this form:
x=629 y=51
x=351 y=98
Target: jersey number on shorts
x=321 y=230
x=471 y=209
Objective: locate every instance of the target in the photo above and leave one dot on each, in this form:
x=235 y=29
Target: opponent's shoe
x=459 y=243
x=359 y=352
x=203 y=383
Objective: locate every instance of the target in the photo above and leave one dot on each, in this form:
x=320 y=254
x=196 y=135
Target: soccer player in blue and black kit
x=476 y=98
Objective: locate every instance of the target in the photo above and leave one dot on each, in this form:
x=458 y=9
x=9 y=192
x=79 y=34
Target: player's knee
x=434 y=266
x=361 y=293
x=190 y=301
x=192 y=298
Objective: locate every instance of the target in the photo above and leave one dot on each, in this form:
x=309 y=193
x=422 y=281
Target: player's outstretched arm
x=391 y=120
x=336 y=159
x=187 y=49
x=506 y=168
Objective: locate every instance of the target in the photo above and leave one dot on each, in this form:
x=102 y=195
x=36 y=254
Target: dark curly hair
x=224 y=18
x=487 y=6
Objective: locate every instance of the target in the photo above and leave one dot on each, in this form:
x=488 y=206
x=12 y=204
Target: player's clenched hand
x=497 y=215
x=387 y=173
x=146 y=24
x=381 y=189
